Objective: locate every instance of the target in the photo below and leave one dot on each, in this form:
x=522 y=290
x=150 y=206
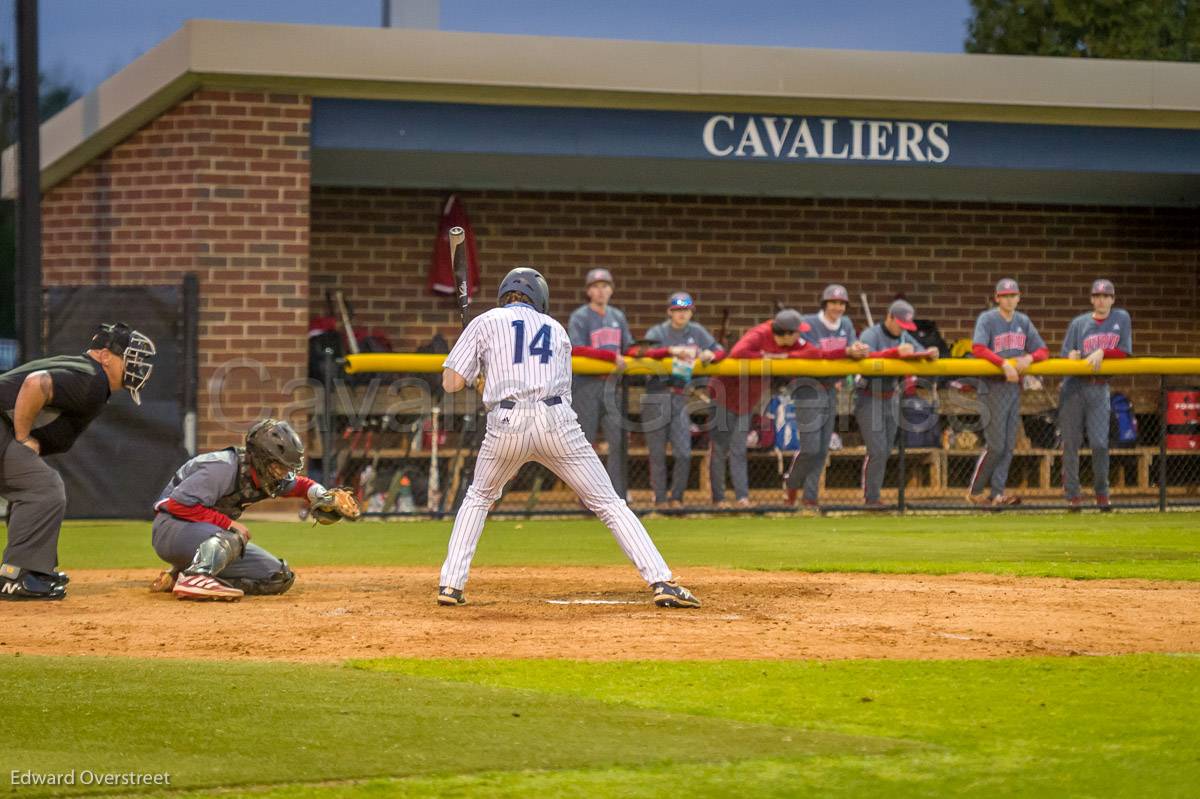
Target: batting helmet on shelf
x=529 y=282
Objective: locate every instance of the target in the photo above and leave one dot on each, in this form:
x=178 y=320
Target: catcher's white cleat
x=202 y=586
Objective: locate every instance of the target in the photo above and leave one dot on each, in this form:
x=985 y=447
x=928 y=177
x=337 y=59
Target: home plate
x=592 y=602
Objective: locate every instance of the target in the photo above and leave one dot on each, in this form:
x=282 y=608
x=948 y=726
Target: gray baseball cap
x=1007 y=286
x=598 y=275
x=680 y=299
x=903 y=313
x=789 y=320
x=1103 y=286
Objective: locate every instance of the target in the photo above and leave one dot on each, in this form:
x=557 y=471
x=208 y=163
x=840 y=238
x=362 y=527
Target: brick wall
x=219 y=186
x=745 y=253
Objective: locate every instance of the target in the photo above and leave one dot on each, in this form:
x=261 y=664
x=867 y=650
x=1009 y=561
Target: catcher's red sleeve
x=196 y=513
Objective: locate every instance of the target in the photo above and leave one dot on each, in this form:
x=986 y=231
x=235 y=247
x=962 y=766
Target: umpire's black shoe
x=17 y=583
x=58 y=578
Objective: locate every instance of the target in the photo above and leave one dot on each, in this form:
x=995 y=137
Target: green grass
x=1143 y=545
x=1120 y=726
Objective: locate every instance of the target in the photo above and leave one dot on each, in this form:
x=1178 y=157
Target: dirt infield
x=605 y=614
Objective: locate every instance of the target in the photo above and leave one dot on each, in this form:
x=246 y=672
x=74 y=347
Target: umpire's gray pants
x=728 y=437
x=1084 y=405
x=816 y=412
x=597 y=401
x=36 y=504
x=665 y=416
x=175 y=541
x=878 y=418
x=1002 y=403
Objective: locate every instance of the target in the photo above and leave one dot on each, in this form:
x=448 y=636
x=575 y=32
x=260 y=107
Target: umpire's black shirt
x=80 y=392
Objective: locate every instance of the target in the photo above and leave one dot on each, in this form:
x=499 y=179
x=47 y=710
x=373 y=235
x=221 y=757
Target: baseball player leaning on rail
x=1106 y=332
x=1000 y=334
x=525 y=357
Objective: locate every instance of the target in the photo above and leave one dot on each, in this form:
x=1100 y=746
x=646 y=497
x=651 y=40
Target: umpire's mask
x=135 y=350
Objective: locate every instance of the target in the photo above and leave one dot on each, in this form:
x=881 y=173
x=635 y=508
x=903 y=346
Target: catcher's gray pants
x=878 y=418
x=728 y=436
x=816 y=412
x=36 y=504
x=1002 y=403
x=1084 y=405
x=664 y=415
x=597 y=400
x=175 y=541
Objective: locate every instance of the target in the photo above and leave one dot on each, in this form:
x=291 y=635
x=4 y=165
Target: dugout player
x=598 y=330
x=664 y=404
x=46 y=405
x=195 y=525
x=877 y=399
x=525 y=357
x=1106 y=332
x=1001 y=334
x=736 y=398
x=831 y=332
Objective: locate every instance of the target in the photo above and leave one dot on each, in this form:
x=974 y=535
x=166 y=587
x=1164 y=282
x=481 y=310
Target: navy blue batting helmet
x=529 y=282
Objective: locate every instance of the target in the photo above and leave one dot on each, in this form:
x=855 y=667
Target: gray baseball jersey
x=878 y=339
x=664 y=335
x=1008 y=339
x=587 y=328
x=208 y=477
x=828 y=339
x=1088 y=334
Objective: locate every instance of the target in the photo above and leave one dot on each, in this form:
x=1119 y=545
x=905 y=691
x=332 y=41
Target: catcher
x=196 y=529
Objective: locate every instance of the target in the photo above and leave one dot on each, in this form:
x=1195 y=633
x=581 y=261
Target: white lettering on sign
x=726 y=135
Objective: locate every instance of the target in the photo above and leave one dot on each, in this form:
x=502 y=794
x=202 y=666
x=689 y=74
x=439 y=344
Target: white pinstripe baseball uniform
x=525 y=357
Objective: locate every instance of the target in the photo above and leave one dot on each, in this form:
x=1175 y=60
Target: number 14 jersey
x=523 y=355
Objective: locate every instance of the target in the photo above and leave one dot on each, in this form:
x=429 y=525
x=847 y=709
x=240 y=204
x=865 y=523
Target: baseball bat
x=435 y=482
x=351 y=339
x=866 y=309
x=458 y=259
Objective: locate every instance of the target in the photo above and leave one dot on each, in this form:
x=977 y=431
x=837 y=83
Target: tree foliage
x=1153 y=30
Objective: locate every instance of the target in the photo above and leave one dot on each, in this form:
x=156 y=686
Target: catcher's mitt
x=334 y=505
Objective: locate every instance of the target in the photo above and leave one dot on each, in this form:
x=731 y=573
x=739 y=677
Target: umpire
x=46 y=405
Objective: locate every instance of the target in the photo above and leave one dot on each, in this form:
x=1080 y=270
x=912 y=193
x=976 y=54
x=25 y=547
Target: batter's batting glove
x=334 y=505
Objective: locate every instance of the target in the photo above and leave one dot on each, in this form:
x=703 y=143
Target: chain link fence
x=409 y=450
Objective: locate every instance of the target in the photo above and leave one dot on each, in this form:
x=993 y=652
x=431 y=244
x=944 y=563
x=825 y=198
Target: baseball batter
x=877 y=400
x=598 y=330
x=196 y=527
x=525 y=358
x=831 y=332
x=1001 y=334
x=664 y=404
x=45 y=405
x=1106 y=332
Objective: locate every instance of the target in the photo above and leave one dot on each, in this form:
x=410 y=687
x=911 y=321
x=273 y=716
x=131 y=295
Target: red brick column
x=219 y=186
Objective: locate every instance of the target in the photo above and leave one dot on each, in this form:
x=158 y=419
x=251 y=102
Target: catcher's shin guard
x=215 y=553
x=277 y=583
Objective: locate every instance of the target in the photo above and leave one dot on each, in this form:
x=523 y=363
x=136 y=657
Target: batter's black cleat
x=673 y=595
x=20 y=584
x=450 y=596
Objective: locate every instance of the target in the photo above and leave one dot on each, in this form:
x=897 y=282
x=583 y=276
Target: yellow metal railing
x=795 y=367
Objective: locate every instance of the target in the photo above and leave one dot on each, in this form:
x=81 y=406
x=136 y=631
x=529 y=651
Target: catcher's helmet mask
x=527 y=281
x=135 y=350
x=271 y=442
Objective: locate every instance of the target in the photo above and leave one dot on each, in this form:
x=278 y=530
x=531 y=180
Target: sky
x=82 y=42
